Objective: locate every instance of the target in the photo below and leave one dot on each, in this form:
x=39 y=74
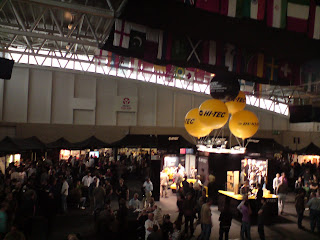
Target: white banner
x=126 y=104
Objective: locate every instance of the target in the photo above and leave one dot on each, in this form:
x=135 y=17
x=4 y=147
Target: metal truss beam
x=105 y=13
x=50 y=37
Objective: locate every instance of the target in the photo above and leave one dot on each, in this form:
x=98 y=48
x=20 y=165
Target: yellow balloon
x=213 y=113
x=237 y=104
x=193 y=125
x=244 y=124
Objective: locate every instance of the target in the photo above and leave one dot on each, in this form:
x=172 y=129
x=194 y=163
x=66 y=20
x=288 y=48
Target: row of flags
x=294 y=15
x=165 y=48
x=169 y=72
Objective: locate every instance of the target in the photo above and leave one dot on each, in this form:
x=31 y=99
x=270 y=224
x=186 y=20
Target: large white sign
x=126 y=104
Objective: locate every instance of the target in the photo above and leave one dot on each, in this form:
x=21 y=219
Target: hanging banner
x=125 y=104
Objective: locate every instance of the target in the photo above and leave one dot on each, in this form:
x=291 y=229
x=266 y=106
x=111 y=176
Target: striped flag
x=254 y=9
x=297 y=15
x=231 y=8
x=276 y=13
x=314 y=20
x=209 y=52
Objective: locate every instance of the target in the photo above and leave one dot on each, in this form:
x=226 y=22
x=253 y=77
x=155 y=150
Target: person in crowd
x=314 y=206
x=180 y=200
x=300 y=206
x=282 y=194
x=14 y=234
x=176 y=235
x=245 y=189
x=197 y=186
x=99 y=195
x=167 y=227
x=213 y=189
x=148 y=188
x=185 y=185
x=122 y=191
x=3 y=219
x=64 y=194
x=177 y=180
x=298 y=185
x=261 y=218
x=87 y=180
x=189 y=212
x=134 y=203
x=109 y=190
x=314 y=184
x=275 y=183
x=259 y=195
x=164 y=180
x=149 y=225
x=206 y=221
x=202 y=200
x=193 y=172
x=122 y=217
x=155 y=234
x=245 y=209
x=225 y=219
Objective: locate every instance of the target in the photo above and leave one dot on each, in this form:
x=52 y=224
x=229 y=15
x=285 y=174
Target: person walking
x=189 y=212
x=225 y=221
x=276 y=182
x=282 y=194
x=300 y=206
x=64 y=194
x=261 y=217
x=206 y=221
x=314 y=205
x=148 y=188
x=245 y=209
x=164 y=179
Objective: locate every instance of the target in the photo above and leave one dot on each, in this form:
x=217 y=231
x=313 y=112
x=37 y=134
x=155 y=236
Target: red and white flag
x=276 y=13
x=121 y=33
x=298 y=15
x=314 y=20
x=209 y=52
x=189 y=74
x=209 y=5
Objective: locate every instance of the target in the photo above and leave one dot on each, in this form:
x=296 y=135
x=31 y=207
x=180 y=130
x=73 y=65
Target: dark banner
x=305 y=113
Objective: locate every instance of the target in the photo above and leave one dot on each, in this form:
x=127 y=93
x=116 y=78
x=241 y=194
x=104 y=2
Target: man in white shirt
x=134 y=203
x=276 y=183
x=164 y=179
x=148 y=188
x=64 y=194
x=149 y=224
x=87 y=180
x=15 y=175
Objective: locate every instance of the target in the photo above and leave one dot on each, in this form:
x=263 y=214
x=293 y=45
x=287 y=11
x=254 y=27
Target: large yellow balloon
x=193 y=125
x=237 y=104
x=244 y=124
x=213 y=113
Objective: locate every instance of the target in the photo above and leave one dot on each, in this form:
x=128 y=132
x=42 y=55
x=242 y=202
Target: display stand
x=233 y=181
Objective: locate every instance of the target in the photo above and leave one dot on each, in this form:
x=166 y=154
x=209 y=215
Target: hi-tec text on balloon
x=189 y=121
x=211 y=113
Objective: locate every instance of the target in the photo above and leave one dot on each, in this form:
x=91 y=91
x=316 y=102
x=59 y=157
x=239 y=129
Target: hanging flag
x=276 y=13
x=314 y=20
x=137 y=43
x=209 y=52
x=170 y=71
x=290 y=72
x=255 y=65
x=298 y=15
x=151 y=45
x=165 y=46
x=272 y=69
x=180 y=49
x=199 y=76
x=179 y=72
x=189 y=74
x=159 y=69
x=135 y=65
x=257 y=89
x=231 y=8
x=209 y=5
x=254 y=9
x=121 y=33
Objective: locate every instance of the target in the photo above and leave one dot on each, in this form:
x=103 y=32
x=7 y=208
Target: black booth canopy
x=90 y=143
x=153 y=141
x=265 y=146
x=311 y=149
x=14 y=145
x=61 y=143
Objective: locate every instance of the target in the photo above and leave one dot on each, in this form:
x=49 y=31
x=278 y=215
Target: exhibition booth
x=310 y=153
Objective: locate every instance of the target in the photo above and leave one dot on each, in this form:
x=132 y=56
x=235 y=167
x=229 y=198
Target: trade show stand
x=235 y=200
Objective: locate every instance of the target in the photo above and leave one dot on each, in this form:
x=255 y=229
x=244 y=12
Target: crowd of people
x=34 y=193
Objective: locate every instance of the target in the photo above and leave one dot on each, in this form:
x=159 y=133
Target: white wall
x=53 y=96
